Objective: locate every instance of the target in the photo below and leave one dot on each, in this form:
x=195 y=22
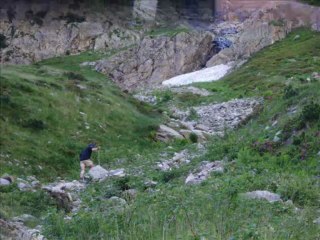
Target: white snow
x=203 y=75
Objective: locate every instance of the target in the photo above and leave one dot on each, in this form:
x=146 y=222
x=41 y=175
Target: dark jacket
x=86 y=153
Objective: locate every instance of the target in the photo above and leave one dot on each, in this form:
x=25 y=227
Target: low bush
x=311 y=112
x=193 y=138
x=3 y=41
x=289 y=92
x=34 y=124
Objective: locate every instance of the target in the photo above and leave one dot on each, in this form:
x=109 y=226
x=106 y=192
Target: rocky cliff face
x=264 y=27
x=32 y=32
x=157 y=59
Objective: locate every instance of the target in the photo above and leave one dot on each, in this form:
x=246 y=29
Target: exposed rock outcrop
x=66 y=194
x=43 y=30
x=16 y=230
x=271 y=23
x=204 y=172
x=157 y=59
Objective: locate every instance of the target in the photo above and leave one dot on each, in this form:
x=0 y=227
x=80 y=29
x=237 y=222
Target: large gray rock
x=266 y=195
x=158 y=59
x=178 y=159
x=4 y=182
x=166 y=133
x=98 y=173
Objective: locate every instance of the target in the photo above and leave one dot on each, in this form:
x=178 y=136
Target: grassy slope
x=215 y=209
x=46 y=120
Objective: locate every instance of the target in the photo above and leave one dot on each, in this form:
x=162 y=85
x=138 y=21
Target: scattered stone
x=116 y=173
x=18 y=231
x=118 y=204
x=146 y=98
x=218 y=117
x=130 y=194
x=150 y=183
x=296 y=37
x=24 y=218
x=317 y=221
x=204 y=172
x=24 y=186
x=266 y=195
x=315 y=75
x=4 y=182
x=88 y=64
x=178 y=159
x=66 y=194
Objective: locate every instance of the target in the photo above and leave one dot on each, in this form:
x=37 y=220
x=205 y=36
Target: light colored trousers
x=83 y=165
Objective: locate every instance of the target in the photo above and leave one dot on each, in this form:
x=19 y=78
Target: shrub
x=310 y=112
x=75 y=76
x=289 y=92
x=73 y=18
x=34 y=124
x=193 y=115
x=277 y=23
x=3 y=42
x=193 y=138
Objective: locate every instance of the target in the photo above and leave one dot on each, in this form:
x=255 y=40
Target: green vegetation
x=312 y=2
x=52 y=109
x=3 y=43
x=164 y=31
x=42 y=103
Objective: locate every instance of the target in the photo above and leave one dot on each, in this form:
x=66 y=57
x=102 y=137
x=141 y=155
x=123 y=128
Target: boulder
x=166 y=133
x=116 y=173
x=98 y=173
x=266 y=195
x=4 y=182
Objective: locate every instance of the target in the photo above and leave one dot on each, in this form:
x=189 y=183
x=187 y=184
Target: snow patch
x=204 y=75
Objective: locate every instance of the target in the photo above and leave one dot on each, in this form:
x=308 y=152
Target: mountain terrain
x=180 y=157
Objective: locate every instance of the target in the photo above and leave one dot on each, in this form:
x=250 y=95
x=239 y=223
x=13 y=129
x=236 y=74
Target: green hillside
x=53 y=109
x=43 y=123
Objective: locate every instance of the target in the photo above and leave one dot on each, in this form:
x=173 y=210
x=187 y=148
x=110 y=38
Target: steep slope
x=52 y=109
x=276 y=151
